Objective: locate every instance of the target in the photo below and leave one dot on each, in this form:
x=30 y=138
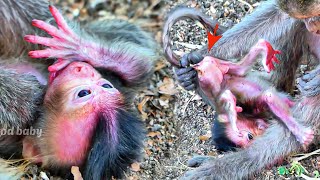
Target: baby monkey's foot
x=304 y=136
x=270 y=55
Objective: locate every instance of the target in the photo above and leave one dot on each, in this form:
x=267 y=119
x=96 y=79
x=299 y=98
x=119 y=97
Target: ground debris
x=178 y=122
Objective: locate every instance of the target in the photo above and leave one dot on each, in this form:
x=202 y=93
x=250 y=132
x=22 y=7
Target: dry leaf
x=140 y=107
x=164 y=103
x=134 y=177
x=167 y=87
x=204 y=138
x=159 y=65
x=211 y=153
x=148 y=152
x=150 y=142
x=135 y=167
x=153 y=134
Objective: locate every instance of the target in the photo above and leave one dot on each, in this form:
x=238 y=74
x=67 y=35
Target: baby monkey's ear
x=30 y=150
x=261 y=124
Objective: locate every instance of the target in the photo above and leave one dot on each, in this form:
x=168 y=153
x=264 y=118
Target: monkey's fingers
x=239 y=109
x=310 y=88
x=277 y=52
x=50 y=42
x=186 y=77
x=312 y=74
x=191 y=58
x=53 y=31
x=275 y=59
x=62 y=24
x=60 y=64
x=181 y=71
x=300 y=84
x=48 y=53
x=196 y=161
x=305 y=136
x=50 y=29
x=205 y=171
x=313 y=83
x=270 y=67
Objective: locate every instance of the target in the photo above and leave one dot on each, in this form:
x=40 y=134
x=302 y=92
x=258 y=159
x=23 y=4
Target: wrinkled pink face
x=249 y=128
x=81 y=84
x=75 y=96
x=210 y=73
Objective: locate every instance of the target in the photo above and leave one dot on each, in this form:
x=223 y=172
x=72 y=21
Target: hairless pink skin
x=252 y=127
x=225 y=84
x=268 y=57
x=67 y=46
x=75 y=121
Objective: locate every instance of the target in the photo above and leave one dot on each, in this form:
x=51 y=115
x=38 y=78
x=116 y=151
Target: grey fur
x=20 y=95
x=19 y=103
x=180 y=13
x=290 y=36
x=276 y=143
x=266 y=23
x=15 y=24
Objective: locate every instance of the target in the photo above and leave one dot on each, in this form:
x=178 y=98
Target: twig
x=185 y=106
x=186 y=167
x=307 y=177
x=190 y=46
x=179 y=53
x=175 y=167
x=250 y=7
x=304 y=156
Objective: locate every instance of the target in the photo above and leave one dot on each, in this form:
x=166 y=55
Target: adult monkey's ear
x=30 y=150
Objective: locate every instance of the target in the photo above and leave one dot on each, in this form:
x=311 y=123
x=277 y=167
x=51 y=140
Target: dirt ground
x=178 y=122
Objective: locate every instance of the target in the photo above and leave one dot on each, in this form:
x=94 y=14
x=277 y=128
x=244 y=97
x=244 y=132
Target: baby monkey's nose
x=83 y=69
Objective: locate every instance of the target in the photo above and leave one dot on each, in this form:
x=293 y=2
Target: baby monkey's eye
x=250 y=136
x=107 y=86
x=83 y=93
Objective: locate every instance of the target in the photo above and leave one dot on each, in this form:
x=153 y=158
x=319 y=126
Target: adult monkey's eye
x=83 y=93
x=250 y=136
x=107 y=86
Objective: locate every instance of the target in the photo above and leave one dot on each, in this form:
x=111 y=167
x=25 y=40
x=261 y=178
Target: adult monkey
x=80 y=126
x=291 y=26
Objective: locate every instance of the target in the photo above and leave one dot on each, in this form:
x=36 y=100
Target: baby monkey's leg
x=263 y=48
x=230 y=109
x=283 y=111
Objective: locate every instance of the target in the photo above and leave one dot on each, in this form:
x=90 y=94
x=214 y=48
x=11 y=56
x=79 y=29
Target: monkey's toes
x=204 y=172
x=198 y=160
x=306 y=137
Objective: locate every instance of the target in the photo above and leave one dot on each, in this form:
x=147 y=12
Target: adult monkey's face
x=306 y=10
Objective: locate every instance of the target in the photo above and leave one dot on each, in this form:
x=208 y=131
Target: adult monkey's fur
x=290 y=36
x=16 y=17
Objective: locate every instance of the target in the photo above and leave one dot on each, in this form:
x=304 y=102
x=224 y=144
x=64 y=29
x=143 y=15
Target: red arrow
x=212 y=38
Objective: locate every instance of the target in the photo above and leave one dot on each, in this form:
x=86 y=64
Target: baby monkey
x=250 y=128
x=234 y=90
x=88 y=118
